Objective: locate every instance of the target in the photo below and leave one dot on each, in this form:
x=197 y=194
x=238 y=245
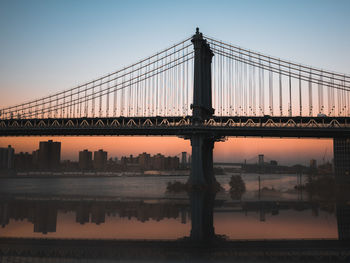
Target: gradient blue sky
x=47 y=46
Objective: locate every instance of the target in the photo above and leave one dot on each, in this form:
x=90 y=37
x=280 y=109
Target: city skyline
x=285 y=151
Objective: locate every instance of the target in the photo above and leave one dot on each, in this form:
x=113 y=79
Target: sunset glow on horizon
x=284 y=150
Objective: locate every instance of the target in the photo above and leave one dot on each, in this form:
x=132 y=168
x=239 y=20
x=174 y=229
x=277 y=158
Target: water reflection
x=74 y=216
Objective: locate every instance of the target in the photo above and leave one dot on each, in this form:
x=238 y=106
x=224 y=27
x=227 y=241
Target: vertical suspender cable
x=333 y=95
x=310 y=95
x=300 y=96
x=270 y=89
x=93 y=100
x=107 y=98
x=320 y=92
x=290 y=93
x=63 y=105
x=86 y=102
x=115 y=97
x=165 y=86
x=254 y=92
x=280 y=86
x=100 y=98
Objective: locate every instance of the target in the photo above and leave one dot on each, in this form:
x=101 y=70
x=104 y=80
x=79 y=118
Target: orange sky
x=286 y=151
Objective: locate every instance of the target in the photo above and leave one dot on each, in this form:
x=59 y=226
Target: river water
x=137 y=207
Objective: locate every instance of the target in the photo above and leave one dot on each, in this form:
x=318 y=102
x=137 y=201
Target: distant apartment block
x=85 y=160
x=183 y=160
x=100 y=159
x=23 y=161
x=261 y=161
x=7 y=158
x=49 y=155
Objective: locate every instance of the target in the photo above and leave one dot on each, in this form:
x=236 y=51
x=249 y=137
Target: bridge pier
x=341 y=148
x=202 y=173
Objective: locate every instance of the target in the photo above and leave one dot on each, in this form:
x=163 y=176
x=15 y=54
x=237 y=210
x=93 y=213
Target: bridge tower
x=202 y=175
x=202 y=105
x=202 y=143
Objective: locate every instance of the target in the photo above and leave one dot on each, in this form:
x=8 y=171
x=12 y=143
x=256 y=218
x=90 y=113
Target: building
x=23 y=161
x=261 y=159
x=172 y=163
x=100 y=159
x=129 y=160
x=183 y=160
x=145 y=161
x=49 y=155
x=85 y=160
x=313 y=164
x=341 y=148
x=273 y=162
x=7 y=158
x=158 y=162
x=35 y=159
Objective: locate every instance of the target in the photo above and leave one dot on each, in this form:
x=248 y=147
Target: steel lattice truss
x=181 y=126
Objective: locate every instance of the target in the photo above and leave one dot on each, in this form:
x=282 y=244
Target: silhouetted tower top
x=202 y=103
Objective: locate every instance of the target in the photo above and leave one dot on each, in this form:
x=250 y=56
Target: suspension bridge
x=200 y=89
x=253 y=94
x=198 y=86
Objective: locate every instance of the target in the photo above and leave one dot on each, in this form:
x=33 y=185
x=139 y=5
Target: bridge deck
x=266 y=126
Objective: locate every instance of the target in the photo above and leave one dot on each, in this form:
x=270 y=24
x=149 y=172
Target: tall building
x=313 y=164
x=261 y=159
x=100 y=159
x=35 y=159
x=341 y=148
x=145 y=161
x=183 y=159
x=85 y=160
x=158 y=162
x=49 y=155
x=7 y=158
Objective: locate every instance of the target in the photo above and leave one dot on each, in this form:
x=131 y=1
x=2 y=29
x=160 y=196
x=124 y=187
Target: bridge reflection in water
x=52 y=213
x=43 y=225
x=38 y=220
